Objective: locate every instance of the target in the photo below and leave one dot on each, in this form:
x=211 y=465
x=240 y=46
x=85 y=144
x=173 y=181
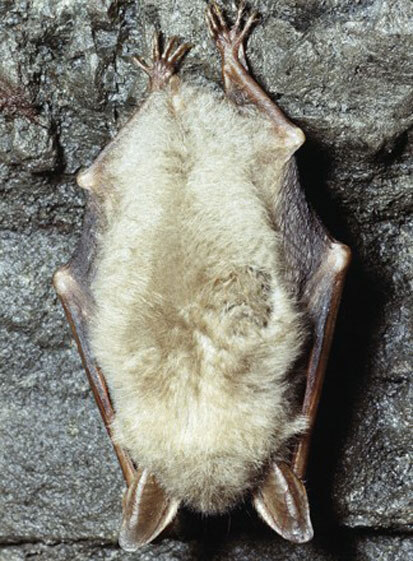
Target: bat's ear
x=283 y=504
x=147 y=510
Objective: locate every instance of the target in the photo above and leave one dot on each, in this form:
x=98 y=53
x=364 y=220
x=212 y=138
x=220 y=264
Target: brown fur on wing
x=194 y=327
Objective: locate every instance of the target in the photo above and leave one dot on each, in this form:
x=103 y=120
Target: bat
x=201 y=282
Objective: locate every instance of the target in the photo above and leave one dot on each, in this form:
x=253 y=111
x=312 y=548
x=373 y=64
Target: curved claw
x=179 y=53
x=156 y=46
x=142 y=64
x=253 y=18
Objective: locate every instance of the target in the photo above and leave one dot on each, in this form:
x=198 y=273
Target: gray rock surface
x=338 y=68
x=364 y=548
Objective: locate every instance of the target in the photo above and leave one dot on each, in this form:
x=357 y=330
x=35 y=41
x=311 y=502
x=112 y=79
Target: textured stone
x=364 y=548
x=338 y=68
x=53 y=483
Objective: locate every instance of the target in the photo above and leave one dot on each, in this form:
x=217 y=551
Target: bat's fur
x=193 y=327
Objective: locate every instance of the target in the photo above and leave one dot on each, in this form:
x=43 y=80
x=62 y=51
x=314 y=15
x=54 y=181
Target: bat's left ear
x=147 y=510
x=283 y=504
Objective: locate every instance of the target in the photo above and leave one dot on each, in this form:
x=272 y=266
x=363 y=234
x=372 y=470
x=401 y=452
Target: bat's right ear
x=147 y=510
x=283 y=504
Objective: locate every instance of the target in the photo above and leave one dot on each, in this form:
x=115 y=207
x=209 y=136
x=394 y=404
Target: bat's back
x=194 y=327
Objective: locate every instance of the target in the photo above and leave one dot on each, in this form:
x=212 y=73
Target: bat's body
x=194 y=327
x=201 y=279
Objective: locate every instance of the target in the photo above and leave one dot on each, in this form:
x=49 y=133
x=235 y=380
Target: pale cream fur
x=194 y=328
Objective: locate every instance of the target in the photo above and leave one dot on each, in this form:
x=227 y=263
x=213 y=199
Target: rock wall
x=338 y=68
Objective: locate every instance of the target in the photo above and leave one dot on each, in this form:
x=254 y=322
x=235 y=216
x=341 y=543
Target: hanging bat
x=201 y=281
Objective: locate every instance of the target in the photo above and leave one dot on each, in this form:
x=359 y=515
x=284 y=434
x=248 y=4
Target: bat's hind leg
x=164 y=61
x=239 y=84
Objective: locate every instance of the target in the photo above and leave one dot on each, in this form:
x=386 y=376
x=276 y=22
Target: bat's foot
x=229 y=41
x=165 y=61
